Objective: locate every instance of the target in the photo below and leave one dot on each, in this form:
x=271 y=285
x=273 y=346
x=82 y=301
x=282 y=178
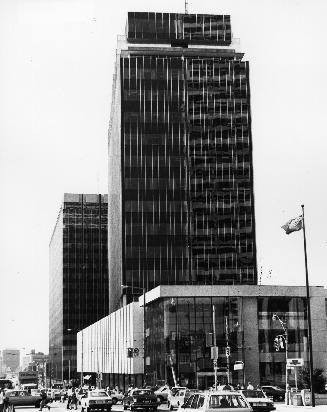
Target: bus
x=6 y=384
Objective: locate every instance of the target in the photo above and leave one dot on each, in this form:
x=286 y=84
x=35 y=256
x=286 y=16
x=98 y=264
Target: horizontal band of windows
x=156 y=240
x=156 y=217
x=174 y=275
x=156 y=229
x=148 y=117
x=164 y=84
x=220 y=133
x=135 y=208
x=155 y=163
x=172 y=129
x=155 y=107
x=156 y=184
x=164 y=174
x=155 y=194
x=173 y=143
x=161 y=264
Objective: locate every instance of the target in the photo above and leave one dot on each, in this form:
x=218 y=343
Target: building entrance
x=205 y=380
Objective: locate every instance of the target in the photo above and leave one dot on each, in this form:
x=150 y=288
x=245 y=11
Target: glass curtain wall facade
x=187 y=205
x=180 y=336
x=293 y=312
x=78 y=276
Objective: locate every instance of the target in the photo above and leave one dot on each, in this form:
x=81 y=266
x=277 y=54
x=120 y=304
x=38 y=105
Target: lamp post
x=277 y=344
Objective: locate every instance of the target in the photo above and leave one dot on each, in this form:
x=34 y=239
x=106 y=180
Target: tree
x=319 y=380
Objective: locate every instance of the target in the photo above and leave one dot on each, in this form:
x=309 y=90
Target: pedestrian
x=2 y=399
x=69 y=394
x=44 y=400
x=73 y=401
x=6 y=402
x=250 y=387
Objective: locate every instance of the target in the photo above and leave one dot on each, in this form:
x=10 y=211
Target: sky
x=57 y=59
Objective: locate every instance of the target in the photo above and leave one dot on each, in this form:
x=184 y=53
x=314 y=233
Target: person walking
x=2 y=399
x=69 y=394
x=44 y=400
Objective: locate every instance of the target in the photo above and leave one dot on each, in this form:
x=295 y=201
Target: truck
x=28 y=379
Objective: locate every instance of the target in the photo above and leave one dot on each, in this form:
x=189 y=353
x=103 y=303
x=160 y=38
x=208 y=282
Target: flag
x=293 y=225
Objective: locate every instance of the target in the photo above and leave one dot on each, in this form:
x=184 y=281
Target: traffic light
x=227 y=351
x=276 y=344
x=129 y=352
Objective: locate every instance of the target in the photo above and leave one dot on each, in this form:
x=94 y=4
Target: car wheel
x=114 y=401
x=160 y=400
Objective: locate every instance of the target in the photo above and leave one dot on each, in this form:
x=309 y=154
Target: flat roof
x=168 y=291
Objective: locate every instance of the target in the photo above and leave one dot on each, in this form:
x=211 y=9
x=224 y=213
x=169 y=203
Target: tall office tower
x=11 y=359
x=181 y=203
x=78 y=288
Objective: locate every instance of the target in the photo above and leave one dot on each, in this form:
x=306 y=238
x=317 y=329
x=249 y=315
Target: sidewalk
x=289 y=408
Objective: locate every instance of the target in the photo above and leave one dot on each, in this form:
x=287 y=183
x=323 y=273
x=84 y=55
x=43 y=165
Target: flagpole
x=309 y=310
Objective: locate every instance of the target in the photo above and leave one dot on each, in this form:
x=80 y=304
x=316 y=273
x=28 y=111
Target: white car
x=258 y=400
x=162 y=394
x=179 y=396
x=96 y=400
x=116 y=396
x=224 y=401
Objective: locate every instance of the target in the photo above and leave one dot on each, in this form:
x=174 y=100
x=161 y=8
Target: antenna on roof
x=186 y=7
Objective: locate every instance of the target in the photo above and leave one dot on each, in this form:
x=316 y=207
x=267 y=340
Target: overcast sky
x=56 y=66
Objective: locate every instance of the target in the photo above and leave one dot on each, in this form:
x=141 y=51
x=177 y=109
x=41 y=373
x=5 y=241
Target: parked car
x=162 y=393
x=23 y=398
x=274 y=392
x=96 y=400
x=258 y=400
x=224 y=401
x=140 y=399
x=179 y=396
x=116 y=396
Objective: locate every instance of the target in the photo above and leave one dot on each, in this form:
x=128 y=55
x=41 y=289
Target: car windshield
x=226 y=401
x=253 y=394
x=142 y=392
x=98 y=394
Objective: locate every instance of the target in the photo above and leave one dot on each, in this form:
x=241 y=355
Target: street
x=280 y=407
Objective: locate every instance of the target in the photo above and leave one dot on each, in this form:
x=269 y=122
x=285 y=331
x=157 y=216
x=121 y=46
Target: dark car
x=275 y=392
x=23 y=398
x=258 y=400
x=140 y=399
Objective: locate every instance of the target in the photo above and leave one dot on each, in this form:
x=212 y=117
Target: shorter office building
x=11 y=359
x=78 y=282
x=250 y=324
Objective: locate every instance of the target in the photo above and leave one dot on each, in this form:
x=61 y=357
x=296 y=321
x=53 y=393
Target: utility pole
x=214 y=351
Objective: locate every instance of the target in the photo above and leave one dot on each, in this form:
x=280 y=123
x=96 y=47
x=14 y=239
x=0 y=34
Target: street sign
x=295 y=362
x=238 y=365
x=214 y=352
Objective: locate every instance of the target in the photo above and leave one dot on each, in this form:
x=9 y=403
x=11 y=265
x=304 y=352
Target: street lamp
x=278 y=343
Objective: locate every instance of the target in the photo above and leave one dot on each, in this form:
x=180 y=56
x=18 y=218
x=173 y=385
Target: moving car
x=179 y=397
x=140 y=399
x=275 y=392
x=162 y=393
x=23 y=398
x=96 y=400
x=224 y=401
x=116 y=396
x=258 y=400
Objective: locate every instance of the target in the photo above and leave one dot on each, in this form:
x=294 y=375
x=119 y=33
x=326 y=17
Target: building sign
x=295 y=362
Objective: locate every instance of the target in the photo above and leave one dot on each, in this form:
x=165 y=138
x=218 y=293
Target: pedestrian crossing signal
x=129 y=352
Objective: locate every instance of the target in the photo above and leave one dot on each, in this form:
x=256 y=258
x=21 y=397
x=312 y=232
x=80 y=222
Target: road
x=280 y=407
